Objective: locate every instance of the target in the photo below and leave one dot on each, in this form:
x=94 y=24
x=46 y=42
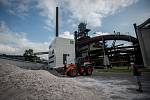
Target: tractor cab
x=84 y=66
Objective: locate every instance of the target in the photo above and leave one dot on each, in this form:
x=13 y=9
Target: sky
x=28 y=24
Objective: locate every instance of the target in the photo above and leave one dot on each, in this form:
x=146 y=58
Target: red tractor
x=84 y=68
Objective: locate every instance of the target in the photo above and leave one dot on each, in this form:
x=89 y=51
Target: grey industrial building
x=143 y=35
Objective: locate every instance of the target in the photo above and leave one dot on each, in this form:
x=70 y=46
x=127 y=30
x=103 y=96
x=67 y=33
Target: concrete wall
x=23 y=64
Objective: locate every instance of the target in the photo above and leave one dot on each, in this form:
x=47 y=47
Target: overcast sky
x=31 y=23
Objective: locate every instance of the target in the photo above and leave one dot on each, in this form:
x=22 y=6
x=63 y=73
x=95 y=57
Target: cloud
x=67 y=35
x=8 y=49
x=17 y=7
x=47 y=9
x=140 y=17
x=15 y=43
x=91 y=11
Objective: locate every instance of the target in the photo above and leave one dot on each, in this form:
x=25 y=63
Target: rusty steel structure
x=108 y=37
x=115 y=53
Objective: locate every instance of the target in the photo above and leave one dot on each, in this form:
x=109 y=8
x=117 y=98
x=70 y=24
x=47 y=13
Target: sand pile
x=22 y=84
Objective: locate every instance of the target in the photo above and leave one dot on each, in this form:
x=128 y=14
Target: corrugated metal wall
x=143 y=34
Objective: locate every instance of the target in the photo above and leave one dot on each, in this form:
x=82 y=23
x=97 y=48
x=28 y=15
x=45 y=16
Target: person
x=65 y=66
x=137 y=75
x=106 y=62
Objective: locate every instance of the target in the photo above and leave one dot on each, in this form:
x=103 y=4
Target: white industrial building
x=61 y=50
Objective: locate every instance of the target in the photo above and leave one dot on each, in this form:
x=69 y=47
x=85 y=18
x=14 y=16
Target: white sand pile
x=21 y=84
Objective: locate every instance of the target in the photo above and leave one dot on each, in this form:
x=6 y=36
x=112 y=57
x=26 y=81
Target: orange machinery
x=74 y=69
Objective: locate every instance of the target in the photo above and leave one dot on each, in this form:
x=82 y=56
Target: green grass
x=114 y=69
x=120 y=70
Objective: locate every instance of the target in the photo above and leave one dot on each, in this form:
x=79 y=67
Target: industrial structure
x=61 y=50
x=62 y=53
x=143 y=35
x=93 y=49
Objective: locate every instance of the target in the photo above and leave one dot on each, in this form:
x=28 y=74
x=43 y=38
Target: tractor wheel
x=89 y=71
x=73 y=72
x=81 y=71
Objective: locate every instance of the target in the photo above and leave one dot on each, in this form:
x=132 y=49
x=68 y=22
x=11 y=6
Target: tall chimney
x=57 y=22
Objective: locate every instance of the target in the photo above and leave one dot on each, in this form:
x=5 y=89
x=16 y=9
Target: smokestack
x=57 y=22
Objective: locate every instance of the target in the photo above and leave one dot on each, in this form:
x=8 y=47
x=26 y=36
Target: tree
x=29 y=55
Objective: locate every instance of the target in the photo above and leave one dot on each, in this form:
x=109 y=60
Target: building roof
x=145 y=25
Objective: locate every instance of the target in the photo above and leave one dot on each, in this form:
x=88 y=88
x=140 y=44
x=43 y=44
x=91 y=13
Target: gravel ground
x=22 y=84
x=116 y=86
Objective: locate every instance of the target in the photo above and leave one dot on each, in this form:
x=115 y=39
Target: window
x=71 y=42
x=53 y=51
x=51 y=56
x=51 y=62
